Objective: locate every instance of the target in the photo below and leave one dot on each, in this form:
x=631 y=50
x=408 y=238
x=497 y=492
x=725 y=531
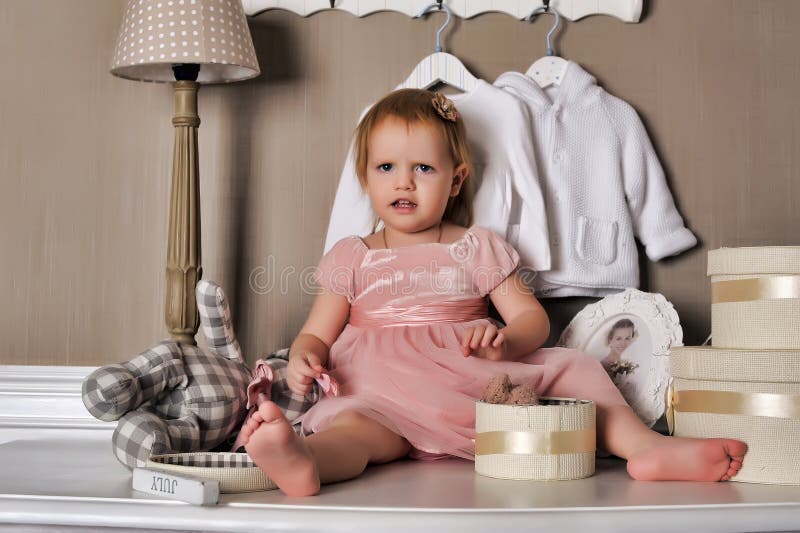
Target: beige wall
x=85 y=157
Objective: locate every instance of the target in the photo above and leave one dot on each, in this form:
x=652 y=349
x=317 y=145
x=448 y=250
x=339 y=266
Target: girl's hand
x=303 y=367
x=486 y=342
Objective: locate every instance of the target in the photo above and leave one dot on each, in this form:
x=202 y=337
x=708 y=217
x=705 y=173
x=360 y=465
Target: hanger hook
x=438 y=5
x=546 y=9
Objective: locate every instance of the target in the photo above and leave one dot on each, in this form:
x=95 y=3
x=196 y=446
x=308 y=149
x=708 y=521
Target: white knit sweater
x=602 y=184
x=508 y=195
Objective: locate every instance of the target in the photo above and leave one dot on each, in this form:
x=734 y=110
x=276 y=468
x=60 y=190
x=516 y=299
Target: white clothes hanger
x=440 y=67
x=550 y=69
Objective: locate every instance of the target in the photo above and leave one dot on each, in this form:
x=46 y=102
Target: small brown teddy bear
x=500 y=390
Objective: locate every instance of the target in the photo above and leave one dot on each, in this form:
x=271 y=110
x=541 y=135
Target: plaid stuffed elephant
x=177 y=398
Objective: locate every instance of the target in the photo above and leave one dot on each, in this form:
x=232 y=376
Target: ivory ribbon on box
x=535 y=442
x=747 y=290
x=731 y=403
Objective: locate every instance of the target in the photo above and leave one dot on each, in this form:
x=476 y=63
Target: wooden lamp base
x=183 y=247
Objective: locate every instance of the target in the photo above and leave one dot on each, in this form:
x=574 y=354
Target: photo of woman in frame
x=623 y=346
x=619 y=338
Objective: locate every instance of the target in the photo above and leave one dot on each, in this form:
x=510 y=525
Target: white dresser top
x=79 y=482
x=57 y=469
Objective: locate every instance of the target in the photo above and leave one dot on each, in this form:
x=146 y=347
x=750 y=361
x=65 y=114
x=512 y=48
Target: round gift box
x=749 y=395
x=755 y=297
x=554 y=440
x=236 y=472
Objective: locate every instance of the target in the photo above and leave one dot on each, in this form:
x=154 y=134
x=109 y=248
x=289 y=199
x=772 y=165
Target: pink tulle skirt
x=415 y=381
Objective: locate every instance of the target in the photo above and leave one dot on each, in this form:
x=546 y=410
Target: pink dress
x=399 y=360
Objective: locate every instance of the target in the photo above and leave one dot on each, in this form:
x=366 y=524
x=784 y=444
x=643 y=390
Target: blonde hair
x=415 y=106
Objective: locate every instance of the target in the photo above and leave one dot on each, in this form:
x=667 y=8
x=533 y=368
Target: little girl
x=418 y=346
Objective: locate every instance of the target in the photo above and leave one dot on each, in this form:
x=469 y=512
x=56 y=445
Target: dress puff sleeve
x=337 y=268
x=492 y=258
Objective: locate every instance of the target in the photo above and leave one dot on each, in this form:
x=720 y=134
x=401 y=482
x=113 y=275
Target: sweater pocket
x=596 y=240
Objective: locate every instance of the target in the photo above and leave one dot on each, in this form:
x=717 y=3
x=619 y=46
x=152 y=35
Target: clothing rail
x=625 y=10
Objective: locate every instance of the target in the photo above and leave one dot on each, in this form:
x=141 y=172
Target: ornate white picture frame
x=630 y=333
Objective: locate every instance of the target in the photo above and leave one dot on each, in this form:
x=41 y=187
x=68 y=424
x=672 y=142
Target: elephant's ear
x=215 y=320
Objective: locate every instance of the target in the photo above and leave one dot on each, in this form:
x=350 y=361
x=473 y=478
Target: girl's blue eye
x=385 y=167
x=424 y=168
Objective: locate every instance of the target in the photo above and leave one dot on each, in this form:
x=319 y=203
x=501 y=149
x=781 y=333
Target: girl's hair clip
x=444 y=107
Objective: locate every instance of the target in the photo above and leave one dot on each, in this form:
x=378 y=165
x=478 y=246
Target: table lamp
x=186 y=42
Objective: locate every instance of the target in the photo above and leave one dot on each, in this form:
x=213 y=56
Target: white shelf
x=45 y=400
x=625 y=10
x=78 y=482
x=61 y=471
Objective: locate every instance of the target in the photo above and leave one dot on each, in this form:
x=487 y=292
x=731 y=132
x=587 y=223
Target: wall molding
x=47 y=398
x=625 y=10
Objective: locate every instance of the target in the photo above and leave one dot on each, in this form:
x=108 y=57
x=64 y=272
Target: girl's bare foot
x=685 y=459
x=279 y=452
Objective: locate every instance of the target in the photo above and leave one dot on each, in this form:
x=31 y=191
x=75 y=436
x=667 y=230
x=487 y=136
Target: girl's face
x=621 y=339
x=410 y=174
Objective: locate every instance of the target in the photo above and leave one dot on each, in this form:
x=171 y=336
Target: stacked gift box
x=746 y=385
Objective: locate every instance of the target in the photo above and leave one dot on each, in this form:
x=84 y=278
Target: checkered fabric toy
x=177 y=398
x=173 y=397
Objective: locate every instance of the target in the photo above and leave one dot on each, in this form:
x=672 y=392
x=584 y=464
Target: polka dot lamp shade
x=157 y=34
